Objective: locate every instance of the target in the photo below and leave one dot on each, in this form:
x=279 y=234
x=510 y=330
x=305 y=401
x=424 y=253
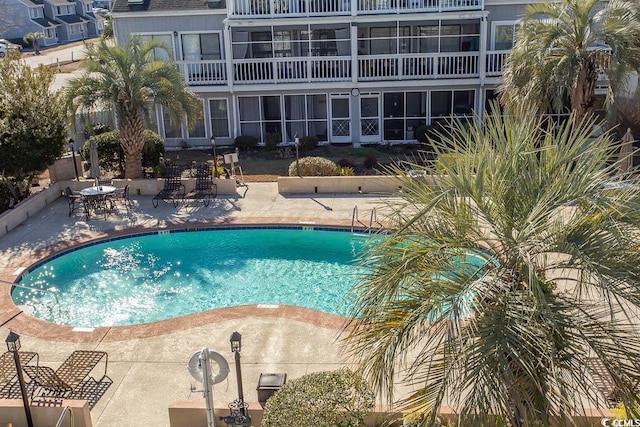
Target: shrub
x=346 y=163
x=245 y=142
x=370 y=162
x=321 y=399
x=308 y=142
x=111 y=157
x=313 y=166
x=272 y=139
x=346 y=171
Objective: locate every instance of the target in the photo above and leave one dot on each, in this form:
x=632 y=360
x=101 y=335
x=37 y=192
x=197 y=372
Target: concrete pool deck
x=148 y=363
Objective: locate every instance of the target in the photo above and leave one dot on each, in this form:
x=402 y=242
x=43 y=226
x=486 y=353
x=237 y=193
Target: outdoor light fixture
x=215 y=157
x=72 y=148
x=296 y=142
x=13 y=345
x=238 y=408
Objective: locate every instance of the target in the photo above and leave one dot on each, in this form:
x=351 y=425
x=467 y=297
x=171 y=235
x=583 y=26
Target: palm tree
x=508 y=280
x=34 y=39
x=128 y=79
x=561 y=47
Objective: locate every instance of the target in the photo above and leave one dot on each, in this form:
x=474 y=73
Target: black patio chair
x=77 y=202
x=173 y=188
x=205 y=188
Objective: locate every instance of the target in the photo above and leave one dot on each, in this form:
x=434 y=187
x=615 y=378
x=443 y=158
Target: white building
x=345 y=71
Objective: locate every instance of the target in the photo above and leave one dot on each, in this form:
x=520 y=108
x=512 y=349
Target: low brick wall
x=342 y=184
x=12 y=412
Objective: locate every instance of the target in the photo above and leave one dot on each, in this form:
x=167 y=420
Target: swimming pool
x=157 y=276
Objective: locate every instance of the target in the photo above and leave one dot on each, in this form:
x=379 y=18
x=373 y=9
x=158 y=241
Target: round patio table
x=101 y=190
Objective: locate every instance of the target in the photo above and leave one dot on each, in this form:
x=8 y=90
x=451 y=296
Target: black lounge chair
x=205 y=188
x=72 y=375
x=173 y=188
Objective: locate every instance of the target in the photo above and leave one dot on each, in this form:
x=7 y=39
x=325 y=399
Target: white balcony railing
x=316 y=69
x=271 y=8
x=204 y=73
x=418 y=66
x=292 y=70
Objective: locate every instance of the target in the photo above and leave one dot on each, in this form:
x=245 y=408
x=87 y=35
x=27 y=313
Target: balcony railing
x=292 y=70
x=204 y=73
x=316 y=69
x=279 y=8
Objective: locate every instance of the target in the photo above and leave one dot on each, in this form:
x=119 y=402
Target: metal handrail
x=18 y=285
x=354 y=216
x=373 y=219
x=66 y=410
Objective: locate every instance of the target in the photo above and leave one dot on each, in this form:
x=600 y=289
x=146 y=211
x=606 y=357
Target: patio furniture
x=73 y=374
x=268 y=385
x=173 y=188
x=8 y=373
x=121 y=195
x=98 y=199
x=76 y=202
x=205 y=188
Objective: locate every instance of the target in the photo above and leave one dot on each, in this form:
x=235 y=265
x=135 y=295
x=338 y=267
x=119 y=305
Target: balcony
x=318 y=69
x=283 y=8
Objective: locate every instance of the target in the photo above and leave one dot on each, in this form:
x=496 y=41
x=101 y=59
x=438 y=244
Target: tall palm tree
x=561 y=47
x=506 y=280
x=34 y=39
x=128 y=79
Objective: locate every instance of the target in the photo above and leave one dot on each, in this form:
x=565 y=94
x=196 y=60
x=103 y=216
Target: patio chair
x=8 y=373
x=205 y=188
x=173 y=188
x=72 y=375
x=76 y=202
x=121 y=196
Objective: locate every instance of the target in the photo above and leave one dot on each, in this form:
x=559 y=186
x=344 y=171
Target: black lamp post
x=296 y=142
x=238 y=408
x=215 y=157
x=13 y=344
x=72 y=148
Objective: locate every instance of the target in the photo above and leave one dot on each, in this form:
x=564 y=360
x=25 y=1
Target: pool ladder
x=373 y=221
x=65 y=411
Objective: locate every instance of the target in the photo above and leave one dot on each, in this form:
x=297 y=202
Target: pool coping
x=12 y=317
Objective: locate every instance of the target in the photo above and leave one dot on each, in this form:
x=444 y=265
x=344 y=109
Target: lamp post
x=296 y=142
x=241 y=418
x=13 y=345
x=72 y=148
x=215 y=157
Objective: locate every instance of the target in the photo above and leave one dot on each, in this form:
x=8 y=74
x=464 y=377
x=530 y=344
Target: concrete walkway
x=149 y=373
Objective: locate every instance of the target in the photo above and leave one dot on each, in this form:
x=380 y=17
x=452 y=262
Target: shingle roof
x=45 y=22
x=159 y=5
x=32 y=2
x=59 y=2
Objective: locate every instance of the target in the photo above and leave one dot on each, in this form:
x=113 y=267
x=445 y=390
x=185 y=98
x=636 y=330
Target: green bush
x=313 y=166
x=308 y=142
x=321 y=399
x=111 y=156
x=346 y=163
x=272 y=139
x=245 y=142
x=342 y=171
x=370 y=162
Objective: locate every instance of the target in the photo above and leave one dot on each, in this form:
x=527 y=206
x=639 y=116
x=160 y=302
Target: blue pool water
x=155 y=277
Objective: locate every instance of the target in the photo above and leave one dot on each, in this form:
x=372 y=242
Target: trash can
x=268 y=384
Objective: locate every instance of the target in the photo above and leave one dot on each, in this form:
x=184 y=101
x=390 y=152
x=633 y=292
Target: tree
x=320 y=399
x=128 y=79
x=561 y=47
x=34 y=39
x=32 y=123
x=505 y=277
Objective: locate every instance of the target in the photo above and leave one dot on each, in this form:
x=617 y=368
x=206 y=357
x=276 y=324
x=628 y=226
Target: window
x=403 y=112
x=73 y=30
x=166 y=40
x=201 y=47
x=261 y=44
x=151 y=119
x=172 y=125
x=198 y=129
x=503 y=34
x=219 y=118
x=446 y=104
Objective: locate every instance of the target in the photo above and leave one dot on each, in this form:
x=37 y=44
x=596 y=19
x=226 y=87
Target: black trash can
x=268 y=384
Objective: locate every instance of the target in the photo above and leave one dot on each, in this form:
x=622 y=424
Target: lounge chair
x=173 y=188
x=8 y=373
x=205 y=188
x=73 y=374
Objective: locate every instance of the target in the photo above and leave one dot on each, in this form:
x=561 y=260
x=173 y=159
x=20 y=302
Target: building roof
x=159 y=5
x=32 y=3
x=59 y=2
x=69 y=19
x=45 y=22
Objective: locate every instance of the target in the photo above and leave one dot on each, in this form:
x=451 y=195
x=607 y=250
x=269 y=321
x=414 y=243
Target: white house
x=345 y=71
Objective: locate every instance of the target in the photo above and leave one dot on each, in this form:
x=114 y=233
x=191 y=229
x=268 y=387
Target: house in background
x=60 y=21
x=345 y=71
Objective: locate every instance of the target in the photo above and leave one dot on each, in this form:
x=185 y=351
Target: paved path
x=150 y=372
